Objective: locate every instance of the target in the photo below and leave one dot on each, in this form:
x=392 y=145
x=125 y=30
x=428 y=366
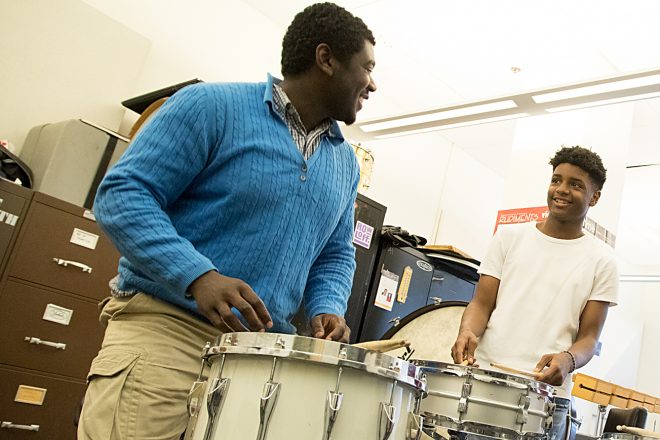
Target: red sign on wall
x=520 y=215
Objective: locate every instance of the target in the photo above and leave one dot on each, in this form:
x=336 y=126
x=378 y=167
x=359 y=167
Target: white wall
x=408 y=176
x=63 y=60
x=434 y=189
x=228 y=41
x=471 y=196
x=649 y=298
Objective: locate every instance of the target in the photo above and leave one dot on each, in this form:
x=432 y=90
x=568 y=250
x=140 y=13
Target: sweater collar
x=334 y=130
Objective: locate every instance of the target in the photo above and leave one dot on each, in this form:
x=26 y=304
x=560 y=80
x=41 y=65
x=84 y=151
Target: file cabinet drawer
x=54 y=417
x=66 y=251
x=28 y=340
x=14 y=201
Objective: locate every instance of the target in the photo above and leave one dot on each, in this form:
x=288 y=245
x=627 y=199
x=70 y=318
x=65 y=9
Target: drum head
x=431 y=330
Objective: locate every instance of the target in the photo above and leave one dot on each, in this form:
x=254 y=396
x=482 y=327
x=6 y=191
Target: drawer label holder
x=57 y=314
x=30 y=395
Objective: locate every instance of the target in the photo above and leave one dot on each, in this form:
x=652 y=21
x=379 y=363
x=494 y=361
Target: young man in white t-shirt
x=545 y=288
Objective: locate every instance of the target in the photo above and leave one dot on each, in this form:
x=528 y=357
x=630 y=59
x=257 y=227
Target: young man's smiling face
x=571 y=193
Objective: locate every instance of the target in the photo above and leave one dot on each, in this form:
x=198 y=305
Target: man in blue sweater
x=232 y=207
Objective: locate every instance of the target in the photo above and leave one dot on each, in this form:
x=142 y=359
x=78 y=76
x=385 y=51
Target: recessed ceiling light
x=598 y=88
x=604 y=102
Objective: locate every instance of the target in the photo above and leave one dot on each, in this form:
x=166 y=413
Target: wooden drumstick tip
x=383 y=346
x=638 y=431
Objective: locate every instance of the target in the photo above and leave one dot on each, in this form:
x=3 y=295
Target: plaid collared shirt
x=307 y=142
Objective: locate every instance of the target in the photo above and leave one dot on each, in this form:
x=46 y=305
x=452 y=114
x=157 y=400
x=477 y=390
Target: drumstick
x=638 y=431
x=532 y=374
x=383 y=346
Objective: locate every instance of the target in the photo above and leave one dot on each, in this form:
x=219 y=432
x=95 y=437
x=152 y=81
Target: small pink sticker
x=363 y=234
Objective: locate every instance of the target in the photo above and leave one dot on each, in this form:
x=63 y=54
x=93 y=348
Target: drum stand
x=600 y=422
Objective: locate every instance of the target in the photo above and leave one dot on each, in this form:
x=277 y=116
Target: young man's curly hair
x=322 y=23
x=583 y=158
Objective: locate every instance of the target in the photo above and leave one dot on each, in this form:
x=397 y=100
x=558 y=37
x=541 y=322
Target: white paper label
x=84 y=238
x=60 y=315
x=89 y=214
x=386 y=292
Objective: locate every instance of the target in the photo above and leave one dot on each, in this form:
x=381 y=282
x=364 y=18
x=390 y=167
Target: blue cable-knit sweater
x=215 y=181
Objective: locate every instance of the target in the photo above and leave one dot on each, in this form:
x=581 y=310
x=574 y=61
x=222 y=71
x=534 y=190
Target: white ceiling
x=438 y=53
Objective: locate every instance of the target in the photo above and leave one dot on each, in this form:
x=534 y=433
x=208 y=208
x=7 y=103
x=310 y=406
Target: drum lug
x=424 y=393
x=214 y=400
x=194 y=403
x=415 y=422
x=396 y=321
x=523 y=405
x=195 y=398
x=548 y=420
x=386 y=420
x=465 y=395
x=332 y=407
x=267 y=405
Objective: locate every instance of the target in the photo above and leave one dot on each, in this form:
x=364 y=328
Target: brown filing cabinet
x=55 y=274
x=14 y=201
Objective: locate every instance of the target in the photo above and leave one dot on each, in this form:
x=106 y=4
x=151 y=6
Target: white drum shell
x=300 y=410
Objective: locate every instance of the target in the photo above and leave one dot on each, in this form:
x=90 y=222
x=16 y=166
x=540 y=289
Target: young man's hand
x=216 y=294
x=464 y=348
x=554 y=367
x=329 y=326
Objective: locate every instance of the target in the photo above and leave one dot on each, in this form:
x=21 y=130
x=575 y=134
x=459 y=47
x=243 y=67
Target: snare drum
x=276 y=387
x=625 y=436
x=484 y=402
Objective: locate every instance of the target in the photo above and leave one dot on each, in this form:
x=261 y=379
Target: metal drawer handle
x=436 y=300
x=33 y=340
x=437 y=278
x=23 y=427
x=396 y=321
x=65 y=263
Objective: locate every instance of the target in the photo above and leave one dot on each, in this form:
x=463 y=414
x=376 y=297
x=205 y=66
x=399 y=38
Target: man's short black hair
x=322 y=23
x=583 y=158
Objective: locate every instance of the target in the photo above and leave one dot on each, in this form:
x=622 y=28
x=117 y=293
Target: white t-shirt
x=545 y=283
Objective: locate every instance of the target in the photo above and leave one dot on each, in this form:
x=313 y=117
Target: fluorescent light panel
x=598 y=88
x=604 y=102
x=455 y=125
x=438 y=116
